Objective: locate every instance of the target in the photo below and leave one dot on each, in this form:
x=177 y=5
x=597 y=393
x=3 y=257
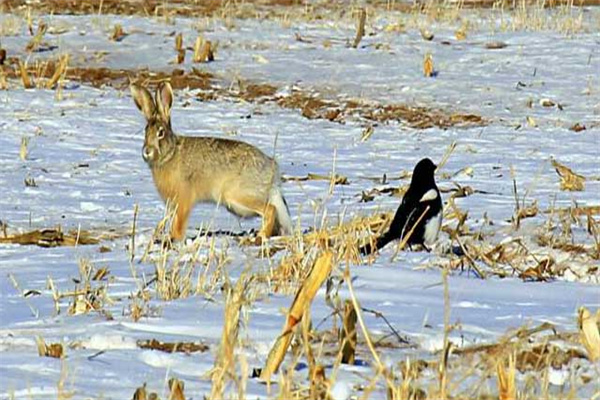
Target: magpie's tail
x=379 y=243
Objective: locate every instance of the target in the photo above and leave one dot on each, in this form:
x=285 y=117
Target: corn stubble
x=428 y=70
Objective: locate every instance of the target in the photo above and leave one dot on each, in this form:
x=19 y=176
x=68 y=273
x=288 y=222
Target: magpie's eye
x=161 y=133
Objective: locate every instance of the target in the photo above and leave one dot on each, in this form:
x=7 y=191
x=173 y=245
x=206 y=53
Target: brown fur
x=187 y=170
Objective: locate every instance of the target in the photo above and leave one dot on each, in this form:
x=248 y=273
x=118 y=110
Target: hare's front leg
x=184 y=207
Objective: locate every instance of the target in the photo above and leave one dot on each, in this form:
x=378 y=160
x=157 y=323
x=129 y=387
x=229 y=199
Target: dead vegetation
x=42 y=73
x=319 y=256
x=313 y=106
x=310 y=104
x=50 y=238
x=54 y=350
x=172 y=347
x=260 y=8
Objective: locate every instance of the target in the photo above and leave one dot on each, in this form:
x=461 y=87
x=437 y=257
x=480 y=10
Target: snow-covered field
x=84 y=154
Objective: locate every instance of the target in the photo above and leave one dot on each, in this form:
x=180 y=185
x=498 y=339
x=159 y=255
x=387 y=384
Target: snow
x=85 y=156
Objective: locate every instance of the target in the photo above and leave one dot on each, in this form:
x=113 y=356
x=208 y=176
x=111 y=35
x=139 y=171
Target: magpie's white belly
x=432 y=229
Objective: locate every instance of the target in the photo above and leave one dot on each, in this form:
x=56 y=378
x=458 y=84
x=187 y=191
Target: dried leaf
x=30 y=182
x=260 y=59
x=337 y=179
x=577 y=127
x=54 y=350
x=460 y=34
x=528 y=212
x=531 y=122
x=118 y=33
x=172 y=347
x=101 y=273
x=366 y=133
x=569 y=180
x=547 y=103
x=495 y=45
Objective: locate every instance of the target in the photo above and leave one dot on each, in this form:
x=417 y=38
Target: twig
x=379 y=314
x=132 y=247
x=381 y=369
x=443 y=376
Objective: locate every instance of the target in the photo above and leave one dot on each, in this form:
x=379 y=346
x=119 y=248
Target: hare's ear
x=164 y=100
x=143 y=100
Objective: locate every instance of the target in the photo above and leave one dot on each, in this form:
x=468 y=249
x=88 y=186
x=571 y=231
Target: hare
x=188 y=170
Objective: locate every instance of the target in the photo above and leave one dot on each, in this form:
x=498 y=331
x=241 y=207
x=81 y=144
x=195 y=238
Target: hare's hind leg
x=248 y=205
x=268 y=222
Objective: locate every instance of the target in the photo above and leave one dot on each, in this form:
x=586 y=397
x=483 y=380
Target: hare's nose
x=147 y=153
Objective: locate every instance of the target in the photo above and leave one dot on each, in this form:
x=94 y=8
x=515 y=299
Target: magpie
x=421 y=201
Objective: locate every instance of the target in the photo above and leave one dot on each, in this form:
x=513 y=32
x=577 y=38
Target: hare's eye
x=161 y=133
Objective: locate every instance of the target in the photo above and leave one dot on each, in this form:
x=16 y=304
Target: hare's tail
x=283 y=213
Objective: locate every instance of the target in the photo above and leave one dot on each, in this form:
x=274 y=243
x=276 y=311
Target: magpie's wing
x=401 y=217
x=396 y=228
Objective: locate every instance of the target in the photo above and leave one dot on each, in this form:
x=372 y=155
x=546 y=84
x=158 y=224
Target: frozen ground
x=84 y=155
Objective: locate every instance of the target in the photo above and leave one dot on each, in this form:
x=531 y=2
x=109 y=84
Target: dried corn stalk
x=428 y=65
x=588 y=331
x=360 y=29
x=27 y=84
x=179 y=41
x=319 y=272
x=176 y=386
x=225 y=362
x=507 y=389
x=203 y=51
x=3 y=82
x=35 y=42
x=348 y=334
x=24 y=150
x=59 y=72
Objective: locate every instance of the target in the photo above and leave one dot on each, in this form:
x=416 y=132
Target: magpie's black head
x=423 y=172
